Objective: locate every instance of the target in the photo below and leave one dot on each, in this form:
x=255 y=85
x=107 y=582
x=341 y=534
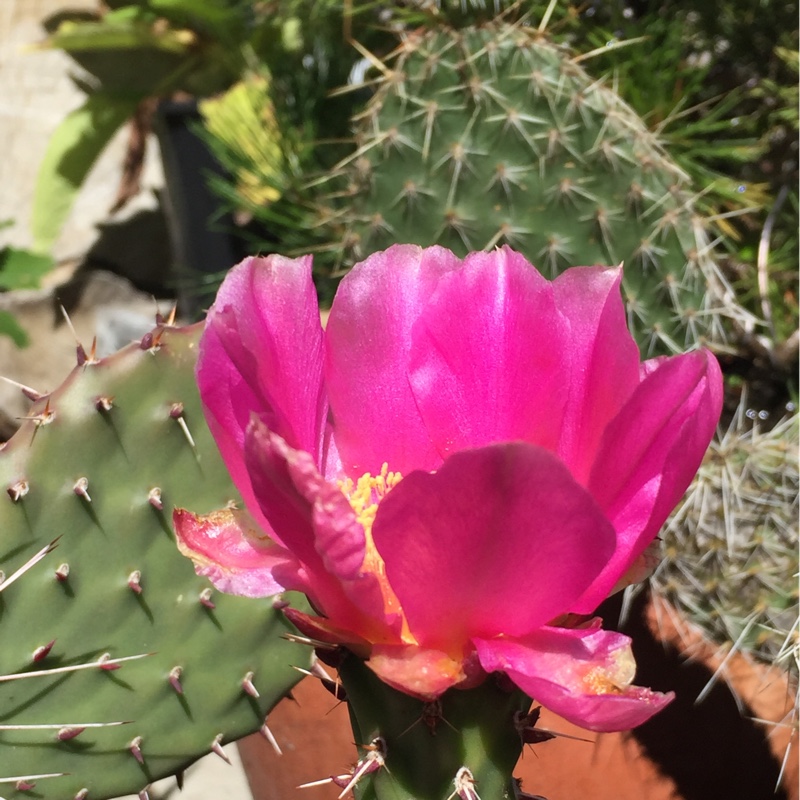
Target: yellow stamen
x=364 y=495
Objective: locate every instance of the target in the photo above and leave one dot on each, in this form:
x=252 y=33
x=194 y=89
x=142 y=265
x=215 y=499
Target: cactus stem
x=154 y=498
x=205 y=600
x=18 y=490
x=30 y=393
x=270 y=737
x=135 y=746
x=42 y=776
x=216 y=747
x=81 y=489
x=62 y=573
x=464 y=784
x=374 y=760
x=41 y=652
x=31 y=562
x=175 y=678
x=249 y=686
x=104 y=662
x=135 y=581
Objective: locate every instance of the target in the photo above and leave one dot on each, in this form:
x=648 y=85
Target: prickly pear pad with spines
x=495 y=135
x=100 y=464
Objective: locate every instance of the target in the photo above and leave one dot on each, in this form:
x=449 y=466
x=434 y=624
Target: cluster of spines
x=731 y=547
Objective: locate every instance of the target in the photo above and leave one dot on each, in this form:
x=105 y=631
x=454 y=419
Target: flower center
x=365 y=495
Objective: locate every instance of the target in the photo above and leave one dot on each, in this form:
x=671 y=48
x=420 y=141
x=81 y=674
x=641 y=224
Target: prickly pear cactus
x=494 y=134
x=118 y=664
x=731 y=558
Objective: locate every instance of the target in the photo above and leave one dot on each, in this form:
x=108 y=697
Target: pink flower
x=467 y=461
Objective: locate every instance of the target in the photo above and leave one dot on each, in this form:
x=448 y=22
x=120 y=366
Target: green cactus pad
x=99 y=465
x=495 y=135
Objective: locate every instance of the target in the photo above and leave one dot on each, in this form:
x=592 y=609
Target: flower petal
x=582 y=674
x=262 y=352
x=499 y=541
x=368 y=338
x=487 y=359
x=234 y=554
x=602 y=358
x=315 y=521
x=420 y=672
x=649 y=454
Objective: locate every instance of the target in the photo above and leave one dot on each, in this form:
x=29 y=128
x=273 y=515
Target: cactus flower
x=456 y=471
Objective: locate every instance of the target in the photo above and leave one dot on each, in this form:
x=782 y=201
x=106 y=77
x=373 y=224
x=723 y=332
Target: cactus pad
x=112 y=616
x=495 y=135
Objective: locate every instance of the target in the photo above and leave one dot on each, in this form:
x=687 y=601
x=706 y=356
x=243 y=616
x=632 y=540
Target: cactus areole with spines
x=119 y=665
x=456 y=472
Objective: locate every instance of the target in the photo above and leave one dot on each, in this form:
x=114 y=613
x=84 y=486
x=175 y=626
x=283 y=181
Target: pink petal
x=488 y=361
x=368 y=338
x=262 y=352
x=316 y=522
x=649 y=455
x=499 y=540
x=420 y=672
x=581 y=674
x=229 y=549
x=602 y=358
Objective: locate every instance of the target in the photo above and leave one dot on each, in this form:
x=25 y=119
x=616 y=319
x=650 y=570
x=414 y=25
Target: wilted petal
x=368 y=338
x=419 y=672
x=583 y=675
x=500 y=540
x=601 y=357
x=229 y=549
x=488 y=360
x=649 y=454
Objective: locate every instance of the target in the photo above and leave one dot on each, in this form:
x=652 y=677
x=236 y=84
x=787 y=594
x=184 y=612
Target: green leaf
x=122 y=34
x=71 y=152
x=22 y=269
x=10 y=327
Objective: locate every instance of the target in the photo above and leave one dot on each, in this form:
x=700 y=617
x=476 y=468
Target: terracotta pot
x=688 y=752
